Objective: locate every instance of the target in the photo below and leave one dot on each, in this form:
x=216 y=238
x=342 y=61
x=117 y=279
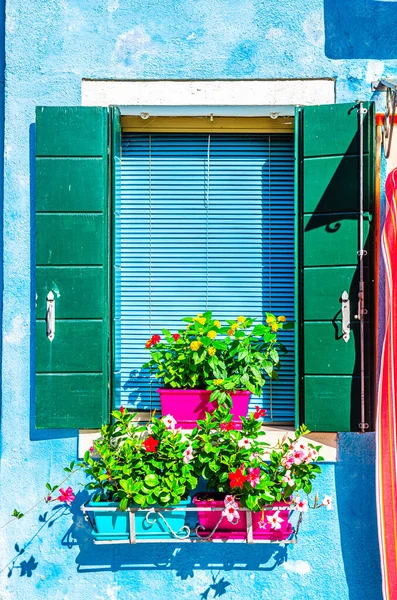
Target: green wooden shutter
x=327 y=261
x=72 y=262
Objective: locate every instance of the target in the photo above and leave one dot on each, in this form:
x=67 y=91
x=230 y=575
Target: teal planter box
x=115 y=525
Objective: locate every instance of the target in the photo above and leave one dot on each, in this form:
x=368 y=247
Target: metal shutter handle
x=50 y=316
x=345 y=316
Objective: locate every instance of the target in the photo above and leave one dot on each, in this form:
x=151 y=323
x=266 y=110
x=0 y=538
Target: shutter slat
x=240 y=251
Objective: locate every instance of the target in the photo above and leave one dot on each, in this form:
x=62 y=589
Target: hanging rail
x=390 y=87
x=188 y=534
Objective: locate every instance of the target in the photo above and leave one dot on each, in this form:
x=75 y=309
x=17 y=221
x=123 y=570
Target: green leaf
x=251 y=503
x=259 y=330
x=151 y=480
x=289 y=325
x=124 y=504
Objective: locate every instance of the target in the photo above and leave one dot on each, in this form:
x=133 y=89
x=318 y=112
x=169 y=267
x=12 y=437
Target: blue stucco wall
x=50 y=47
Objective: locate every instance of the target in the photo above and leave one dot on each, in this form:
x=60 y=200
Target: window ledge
x=273 y=434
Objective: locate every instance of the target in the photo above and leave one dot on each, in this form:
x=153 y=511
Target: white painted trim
x=200 y=98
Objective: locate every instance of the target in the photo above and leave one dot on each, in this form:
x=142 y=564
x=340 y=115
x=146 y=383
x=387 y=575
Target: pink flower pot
x=227 y=530
x=187 y=406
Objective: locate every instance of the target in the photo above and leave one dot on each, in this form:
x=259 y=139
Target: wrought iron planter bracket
x=185 y=534
x=390 y=87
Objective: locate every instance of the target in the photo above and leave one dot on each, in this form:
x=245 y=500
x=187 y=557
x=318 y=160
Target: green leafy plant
x=140 y=465
x=241 y=463
x=223 y=358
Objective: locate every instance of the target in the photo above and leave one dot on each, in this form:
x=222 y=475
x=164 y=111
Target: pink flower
x=230 y=500
x=301 y=505
x=275 y=520
x=262 y=524
x=254 y=476
x=288 y=479
x=188 y=455
x=92 y=449
x=48 y=499
x=254 y=455
x=231 y=514
x=327 y=501
x=66 y=495
x=244 y=443
x=169 y=422
x=176 y=336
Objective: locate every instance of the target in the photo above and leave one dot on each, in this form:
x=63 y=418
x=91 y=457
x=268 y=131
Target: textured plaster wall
x=50 y=47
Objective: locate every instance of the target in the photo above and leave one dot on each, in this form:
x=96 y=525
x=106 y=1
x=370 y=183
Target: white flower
x=244 y=443
x=231 y=514
x=188 y=455
x=327 y=501
x=149 y=428
x=275 y=520
x=288 y=479
x=301 y=505
x=313 y=454
x=262 y=524
x=230 y=501
x=169 y=422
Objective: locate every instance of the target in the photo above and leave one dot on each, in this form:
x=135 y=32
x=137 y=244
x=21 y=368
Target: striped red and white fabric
x=386 y=431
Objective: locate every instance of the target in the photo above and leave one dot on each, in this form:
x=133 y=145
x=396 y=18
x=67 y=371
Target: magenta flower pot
x=234 y=531
x=187 y=406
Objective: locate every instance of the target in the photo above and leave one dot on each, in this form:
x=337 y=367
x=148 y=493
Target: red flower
x=148 y=344
x=259 y=412
x=150 y=444
x=155 y=339
x=122 y=409
x=227 y=426
x=66 y=495
x=176 y=336
x=237 y=479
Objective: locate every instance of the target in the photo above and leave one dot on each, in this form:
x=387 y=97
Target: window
x=75 y=254
x=203 y=221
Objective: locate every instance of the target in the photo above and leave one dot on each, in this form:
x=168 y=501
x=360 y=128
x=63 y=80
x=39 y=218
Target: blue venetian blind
x=202 y=221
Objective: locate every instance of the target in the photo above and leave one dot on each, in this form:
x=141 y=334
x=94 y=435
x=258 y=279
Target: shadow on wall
x=360 y=29
x=356 y=504
x=184 y=559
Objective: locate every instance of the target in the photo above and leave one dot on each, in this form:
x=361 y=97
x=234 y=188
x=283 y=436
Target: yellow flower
x=282 y=319
x=211 y=334
x=200 y=319
x=274 y=327
x=211 y=351
x=218 y=381
x=217 y=324
x=241 y=319
x=195 y=345
x=270 y=320
x=230 y=332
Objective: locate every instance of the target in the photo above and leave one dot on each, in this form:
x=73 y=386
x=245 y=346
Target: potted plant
x=133 y=466
x=207 y=363
x=243 y=471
